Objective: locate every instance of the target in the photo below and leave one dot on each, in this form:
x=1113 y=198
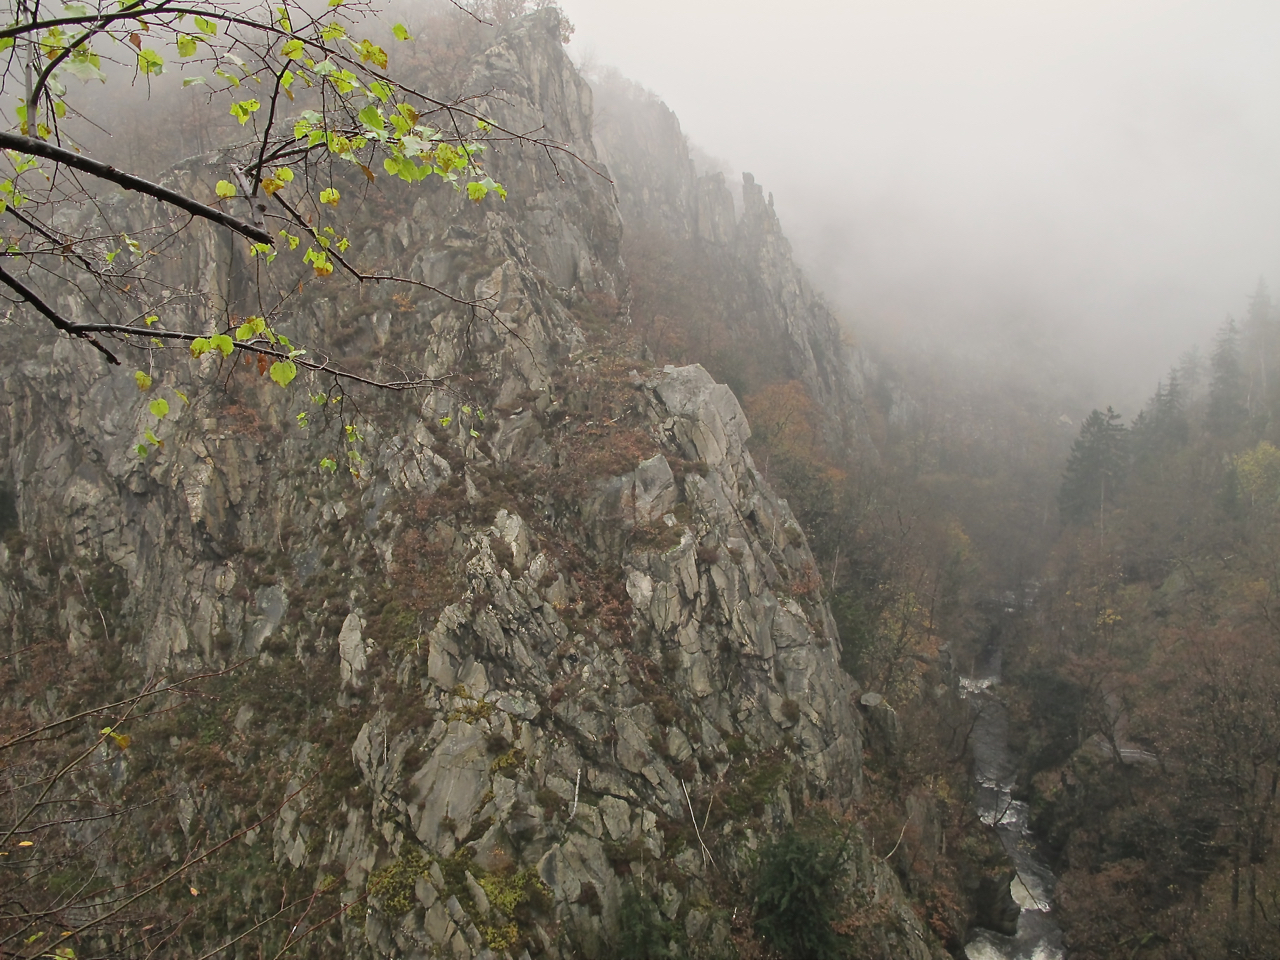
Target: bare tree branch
x=59 y=321
x=68 y=158
x=258 y=346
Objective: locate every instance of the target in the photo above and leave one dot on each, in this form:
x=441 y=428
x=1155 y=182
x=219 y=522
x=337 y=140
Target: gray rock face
x=541 y=642
x=351 y=652
x=660 y=190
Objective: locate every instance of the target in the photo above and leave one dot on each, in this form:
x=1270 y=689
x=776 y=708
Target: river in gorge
x=1038 y=936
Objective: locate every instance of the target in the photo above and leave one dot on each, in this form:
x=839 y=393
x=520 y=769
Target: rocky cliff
x=749 y=271
x=550 y=639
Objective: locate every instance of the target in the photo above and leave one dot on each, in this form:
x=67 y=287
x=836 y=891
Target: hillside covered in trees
x=1146 y=667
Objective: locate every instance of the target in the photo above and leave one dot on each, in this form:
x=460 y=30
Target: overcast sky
x=1100 y=178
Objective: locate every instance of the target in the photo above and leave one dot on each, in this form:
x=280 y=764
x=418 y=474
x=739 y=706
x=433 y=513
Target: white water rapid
x=1038 y=936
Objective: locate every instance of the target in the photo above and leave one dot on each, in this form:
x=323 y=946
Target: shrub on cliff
x=797 y=895
x=643 y=934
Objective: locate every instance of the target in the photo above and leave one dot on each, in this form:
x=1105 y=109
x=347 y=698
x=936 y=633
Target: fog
x=1089 y=187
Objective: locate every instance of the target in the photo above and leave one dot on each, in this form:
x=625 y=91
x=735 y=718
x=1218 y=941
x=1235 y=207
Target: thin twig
x=706 y=854
x=885 y=858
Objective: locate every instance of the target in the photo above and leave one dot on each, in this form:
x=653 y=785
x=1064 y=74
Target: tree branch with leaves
x=315 y=93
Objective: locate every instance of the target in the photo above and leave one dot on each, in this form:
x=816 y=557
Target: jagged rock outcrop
x=551 y=635
x=661 y=192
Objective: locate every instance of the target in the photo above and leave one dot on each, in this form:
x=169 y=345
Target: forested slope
x=1148 y=668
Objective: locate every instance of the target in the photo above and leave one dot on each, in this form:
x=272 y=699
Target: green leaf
x=496 y=187
x=141 y=450
x=251 y=327
x=207 y=27
x=84 y=70
x=186 y=45
x=330 y=195
x=192 y=81
x=225 y=189
x=242 y=110
x=234 y=81
x=222 y=343
x=159 y=407
x=143 y=380
x=183 y=397
x=292 y=49
x=283 y=372
x=325 y=464
x=152 y=437
x=333 y=31
x=150 y=62
x=415 y=146
x=372 y=53
x=6 y=43
x=200 y=346
x=400 y=33
x=477 y=191
x=318 y=260
x=371 y=117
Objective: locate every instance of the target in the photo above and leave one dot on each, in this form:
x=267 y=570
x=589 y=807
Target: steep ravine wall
x=495 y=670
x=661 y=194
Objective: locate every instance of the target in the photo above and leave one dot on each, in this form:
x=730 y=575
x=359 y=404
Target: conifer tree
x=1228 y=394
x=1260 y=339
x=1191 y=372
x=1095 y=468
x=1161 y=428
